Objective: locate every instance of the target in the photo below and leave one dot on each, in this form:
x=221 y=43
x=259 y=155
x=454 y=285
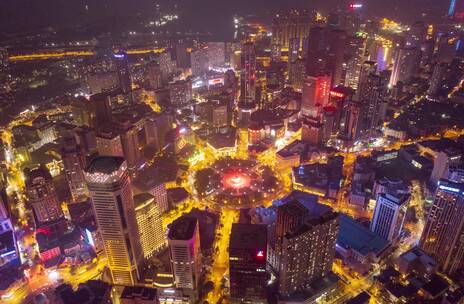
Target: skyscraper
x=316 y=60
x=292 y=24
x=315 y=95
x=74 y=163
x=406 y=65
x=356 y=54
x=308 y=250
x=111 y=195
x=247 y=263
x=153 y=75
x=442 y=236
x=122 y=65
x=199 y=59
x=149 y=223
x=389 y=213
x=180 y=92
x=42 y=196
x=248 y=74
x=184 y=249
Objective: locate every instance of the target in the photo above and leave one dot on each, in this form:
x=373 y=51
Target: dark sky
x=25 y=15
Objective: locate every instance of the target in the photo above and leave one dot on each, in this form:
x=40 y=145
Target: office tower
x=199 y=59
x=316 y=57
x=371 y=92
x=247 y=263
x=442 y=236
x=312 y=130
x=275 y=75
x=149 y=223
x=216 y=54
x=157 y=126
x=109 y=143
x=167 y=66
x=416 y=35
x=436 y=81
x=153 y=75
x=220 y=115
x=442 y=162
x=356 y=49
x=100 y=82
x=315 y=95
x=184 y=249
x=42 y=196
x=293 y=49
x=129 y=134
x=389 y=213
x=182 y=56
x=337 y=43
x=113 y=205
x=406 y=65
x=328 y=122
x=350 y=120
x=308 y=250
x=296 y=73
x=180 y=92
x=74 y=162
x=292 y=24
x=122 y=65
x=103 y=112
x=248 y=74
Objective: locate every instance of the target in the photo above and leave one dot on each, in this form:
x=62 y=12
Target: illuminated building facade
x=199 y=61
x=149 y=223
x=109 y=143
x=308 y=251
x=185 y=254
x=290 y=25
x=248 y=74
x=406 y=65
x=122 y=64
x=153 y=75
x=216 y=54
x=316 y=92
x=111 y=195
x=247 y=263
x=180 y=92
x=389 y=213
x=442 y=235
x=42 y=196
x=356 y=49
x=74 y=163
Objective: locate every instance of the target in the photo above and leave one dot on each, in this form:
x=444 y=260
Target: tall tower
x=406 y=65
x=443 y=233
x=42 y=196
x=149 y=223
x=110 y=191
x=308 y=251
x=184 y=248
x=74 y=163
x=389 y=213
x=248 y=74
x=122 y=65
x=247 y=263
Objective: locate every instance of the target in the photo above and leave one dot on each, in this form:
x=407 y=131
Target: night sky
x=213 y=15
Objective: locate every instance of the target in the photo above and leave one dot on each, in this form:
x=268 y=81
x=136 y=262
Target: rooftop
x=105 y=164
x=355 y=236
x=248 y=236
x=183 y=228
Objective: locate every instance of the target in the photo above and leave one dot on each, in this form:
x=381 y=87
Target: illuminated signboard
x=119 y=56
x=216 y=81
x=443 y=187
x=89 y=237
x=337 y=94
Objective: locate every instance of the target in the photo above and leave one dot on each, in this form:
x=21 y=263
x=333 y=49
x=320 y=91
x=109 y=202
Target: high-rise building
x=199 y=59
x=129 y=133
x=111 y=195
x=316 y=58
x=350 y=120
x=42 y=196
x=182 y=56
x=167 y=66
x=149 y=223
x=109 y=143
x=247 y=263
x=122 y=64
x=337 y=43
x=153 y=75
x=389 y=213
x=308 y=250
x=157 y=125
x=442 y=236
x=180 y=92
x=292 y=24
x=356 y=49
x=293 y=49
x=74 y=163
x=315 y=95
x=248 y=74
x=184 y=248
x=405 y=66
x=436 y=81
x=371 y=91
x=103 y=112
x=216 y=54
x=416 y=35
x=296 y=73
